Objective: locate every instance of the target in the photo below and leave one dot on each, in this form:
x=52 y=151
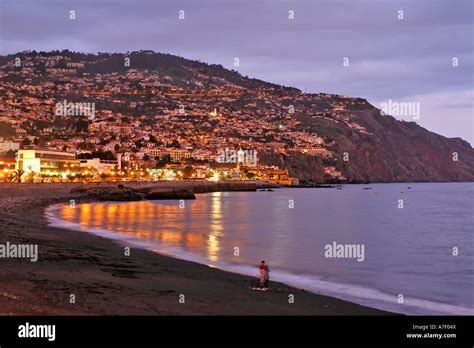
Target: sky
x=361 y=48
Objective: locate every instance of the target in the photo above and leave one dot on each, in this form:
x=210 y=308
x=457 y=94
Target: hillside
x=353 y=138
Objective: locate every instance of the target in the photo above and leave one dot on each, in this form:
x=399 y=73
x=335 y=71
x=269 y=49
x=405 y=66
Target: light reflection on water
x=141 y=220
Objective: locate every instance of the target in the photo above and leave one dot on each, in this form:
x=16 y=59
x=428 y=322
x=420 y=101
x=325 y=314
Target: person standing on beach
x=262 y=268
x=267 y=276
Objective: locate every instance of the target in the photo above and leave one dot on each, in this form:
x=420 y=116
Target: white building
x=40 y=160
x=9 y=145
x=101 y=166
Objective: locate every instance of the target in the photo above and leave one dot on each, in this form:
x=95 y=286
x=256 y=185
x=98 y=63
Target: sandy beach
x=105 y=282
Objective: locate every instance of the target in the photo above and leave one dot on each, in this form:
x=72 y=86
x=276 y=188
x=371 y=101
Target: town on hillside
x=64 y=117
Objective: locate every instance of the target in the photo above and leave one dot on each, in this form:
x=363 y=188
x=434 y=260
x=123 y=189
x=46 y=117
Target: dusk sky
x=403 y=60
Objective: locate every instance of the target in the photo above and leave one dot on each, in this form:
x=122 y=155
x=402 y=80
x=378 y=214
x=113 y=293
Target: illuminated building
x=41 y=160
x=176 y=155
x=103 y=166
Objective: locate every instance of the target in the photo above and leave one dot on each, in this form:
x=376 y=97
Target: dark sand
x=105 y=282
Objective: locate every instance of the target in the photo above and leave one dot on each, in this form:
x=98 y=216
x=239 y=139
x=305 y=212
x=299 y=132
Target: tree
x=103 y=155
x=188 y=171
x=250 y=175
x=84 y=155
x=31 y=176
x=161 y=162
x=17 y=174
x=81 y=125
x=174 y=144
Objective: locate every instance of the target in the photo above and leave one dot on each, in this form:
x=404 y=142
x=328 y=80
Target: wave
x=350 y=292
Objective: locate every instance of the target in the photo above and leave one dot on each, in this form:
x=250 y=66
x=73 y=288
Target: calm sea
x=417 y=239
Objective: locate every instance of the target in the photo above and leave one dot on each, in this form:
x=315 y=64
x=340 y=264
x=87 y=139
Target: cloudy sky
x=403 y=60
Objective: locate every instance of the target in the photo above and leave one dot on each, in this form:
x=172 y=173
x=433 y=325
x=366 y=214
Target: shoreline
x=105 y=282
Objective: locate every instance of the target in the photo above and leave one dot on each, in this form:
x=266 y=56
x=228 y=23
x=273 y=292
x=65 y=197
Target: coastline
x=105 y=282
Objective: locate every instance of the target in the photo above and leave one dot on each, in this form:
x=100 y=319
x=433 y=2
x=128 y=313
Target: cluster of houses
x=142 y=115
x=41 y=164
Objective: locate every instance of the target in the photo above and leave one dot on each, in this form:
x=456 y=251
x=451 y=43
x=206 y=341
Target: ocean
x=406 y=248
